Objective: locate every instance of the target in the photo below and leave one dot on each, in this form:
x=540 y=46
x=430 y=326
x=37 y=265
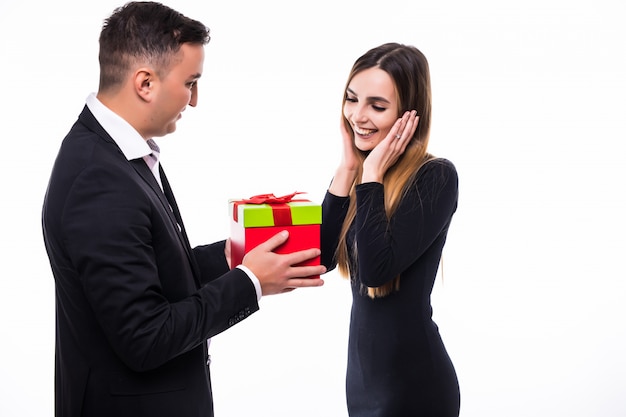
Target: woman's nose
x=358 y=115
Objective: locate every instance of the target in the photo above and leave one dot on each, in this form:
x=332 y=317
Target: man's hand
x=277 y=273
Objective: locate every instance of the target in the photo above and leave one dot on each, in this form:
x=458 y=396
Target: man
x=135 y=303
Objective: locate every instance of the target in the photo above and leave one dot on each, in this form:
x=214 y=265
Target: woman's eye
x=351 y=99
x=378 y=108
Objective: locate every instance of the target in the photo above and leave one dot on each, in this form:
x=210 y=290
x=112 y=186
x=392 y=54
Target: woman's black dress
x=397 y=363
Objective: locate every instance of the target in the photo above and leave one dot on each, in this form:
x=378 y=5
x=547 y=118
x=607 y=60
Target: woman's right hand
x=387 y=152
x=349 y=165
x=349 y=160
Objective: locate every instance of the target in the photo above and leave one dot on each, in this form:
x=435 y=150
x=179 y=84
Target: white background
x=529 y=103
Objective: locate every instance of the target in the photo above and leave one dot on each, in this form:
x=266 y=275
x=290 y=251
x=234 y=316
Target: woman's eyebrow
x=375 y=98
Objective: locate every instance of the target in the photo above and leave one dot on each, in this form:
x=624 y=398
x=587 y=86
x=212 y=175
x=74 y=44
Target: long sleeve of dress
x=334 y=210
x=388 y=247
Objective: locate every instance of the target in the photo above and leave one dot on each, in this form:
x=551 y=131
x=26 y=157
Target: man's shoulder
x=85 y=137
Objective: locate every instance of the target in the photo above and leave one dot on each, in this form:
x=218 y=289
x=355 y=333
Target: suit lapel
x=169 y=195
x=87 y=118
x=145 y=173
x=170 y=206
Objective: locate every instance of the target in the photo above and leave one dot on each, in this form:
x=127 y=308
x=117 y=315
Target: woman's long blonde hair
x=409 y=70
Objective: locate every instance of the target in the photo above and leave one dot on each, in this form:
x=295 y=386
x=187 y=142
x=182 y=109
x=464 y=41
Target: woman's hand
x=348 y=167
x=349 y=159
x=227 y=252
x=387 y=152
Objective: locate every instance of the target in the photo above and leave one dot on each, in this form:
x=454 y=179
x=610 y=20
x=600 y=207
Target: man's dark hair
x=144 y=31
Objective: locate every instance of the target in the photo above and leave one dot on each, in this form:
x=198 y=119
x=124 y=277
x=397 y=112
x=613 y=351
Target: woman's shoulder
x=438 y=166
x=434 y=176
x=439 y=161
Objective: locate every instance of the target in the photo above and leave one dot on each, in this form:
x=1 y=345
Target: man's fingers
x=275 y=241
x=295 y=258
x=305 y=282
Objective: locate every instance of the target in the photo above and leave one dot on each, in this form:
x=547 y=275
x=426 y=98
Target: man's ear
x=144 y=83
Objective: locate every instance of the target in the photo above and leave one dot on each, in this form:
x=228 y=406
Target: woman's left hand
x=227 y=252
x=387 y=152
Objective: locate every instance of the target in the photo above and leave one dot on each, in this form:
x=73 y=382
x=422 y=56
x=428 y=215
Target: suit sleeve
x=137 y=278
x=211 y=261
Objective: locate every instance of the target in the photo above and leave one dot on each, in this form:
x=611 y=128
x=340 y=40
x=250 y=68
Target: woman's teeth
x=364 y=132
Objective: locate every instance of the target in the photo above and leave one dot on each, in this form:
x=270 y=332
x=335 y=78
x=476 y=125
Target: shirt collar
x=131 y=143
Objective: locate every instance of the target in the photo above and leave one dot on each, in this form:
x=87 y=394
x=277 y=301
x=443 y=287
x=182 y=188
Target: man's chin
x=170 y=129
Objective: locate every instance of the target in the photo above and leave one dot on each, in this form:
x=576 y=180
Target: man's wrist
x=254 y=279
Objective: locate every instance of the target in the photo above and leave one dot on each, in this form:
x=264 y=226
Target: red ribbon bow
x=280 y=209
x=270 y=199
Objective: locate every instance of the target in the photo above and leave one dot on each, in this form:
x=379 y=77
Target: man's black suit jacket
x=134 y=302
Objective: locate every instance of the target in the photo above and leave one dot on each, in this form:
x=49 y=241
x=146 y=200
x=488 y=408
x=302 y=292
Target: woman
x=385 y=219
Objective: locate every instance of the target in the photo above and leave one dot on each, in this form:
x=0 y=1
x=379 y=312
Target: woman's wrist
x=342 y=182
x=370 y=175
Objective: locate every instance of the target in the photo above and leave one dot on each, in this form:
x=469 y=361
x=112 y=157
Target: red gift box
x=255 y=220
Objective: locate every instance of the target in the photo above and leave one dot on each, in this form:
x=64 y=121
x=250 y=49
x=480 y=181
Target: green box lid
x=262 y=215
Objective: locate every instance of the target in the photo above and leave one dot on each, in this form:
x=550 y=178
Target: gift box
x=258 y=218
